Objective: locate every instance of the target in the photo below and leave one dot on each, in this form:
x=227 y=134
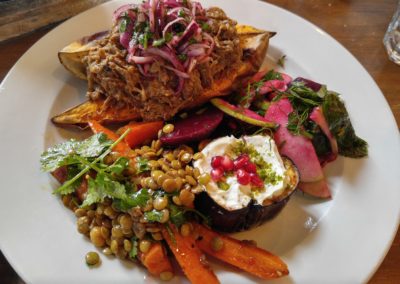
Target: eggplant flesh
x=253 y=214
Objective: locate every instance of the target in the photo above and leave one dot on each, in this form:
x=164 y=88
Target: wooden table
x=358 y=24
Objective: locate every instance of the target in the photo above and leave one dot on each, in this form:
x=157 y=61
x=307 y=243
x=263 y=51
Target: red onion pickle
x=162 y=16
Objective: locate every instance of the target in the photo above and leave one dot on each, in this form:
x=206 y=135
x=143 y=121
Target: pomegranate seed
x=241 y=161
x=217 y=174
x=243 y=177
x=216 y=161
x=256 y=180
x=227 y=163
x=251 y=168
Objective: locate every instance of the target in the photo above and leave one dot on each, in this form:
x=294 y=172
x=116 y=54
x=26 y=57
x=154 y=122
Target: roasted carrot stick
x=141 y=132
x=121 y=147
x=189 y=257
x=245 y=256
x=156 y=260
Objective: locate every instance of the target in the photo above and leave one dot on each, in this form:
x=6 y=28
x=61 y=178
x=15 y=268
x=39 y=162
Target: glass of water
x=392 y=37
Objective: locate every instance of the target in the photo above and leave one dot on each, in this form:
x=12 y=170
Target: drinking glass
x=392 y=37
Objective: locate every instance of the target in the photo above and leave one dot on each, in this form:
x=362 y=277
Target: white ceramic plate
x=337 y=241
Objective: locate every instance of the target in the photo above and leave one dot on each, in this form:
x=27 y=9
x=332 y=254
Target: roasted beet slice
x=194 y=128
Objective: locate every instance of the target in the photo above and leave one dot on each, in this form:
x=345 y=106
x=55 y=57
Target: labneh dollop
x=263 y=152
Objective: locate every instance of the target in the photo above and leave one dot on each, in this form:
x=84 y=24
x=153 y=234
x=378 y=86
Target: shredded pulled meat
x=120 y=83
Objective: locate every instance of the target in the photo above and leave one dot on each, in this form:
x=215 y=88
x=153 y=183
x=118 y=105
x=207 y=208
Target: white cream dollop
x=239 y=196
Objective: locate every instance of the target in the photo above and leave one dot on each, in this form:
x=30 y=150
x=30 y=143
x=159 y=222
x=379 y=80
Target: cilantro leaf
x=281 y=61
x=153 y=215
x=177 y=215
x=142 y=165
x=119 y=166
x=134 y=251
x=139 y=198
x=101 y=187
x=66 y=153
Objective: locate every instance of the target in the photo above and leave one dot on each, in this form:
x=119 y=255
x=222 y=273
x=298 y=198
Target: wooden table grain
x=358 y=24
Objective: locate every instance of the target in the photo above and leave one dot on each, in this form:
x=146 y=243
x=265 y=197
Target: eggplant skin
x=252 y=215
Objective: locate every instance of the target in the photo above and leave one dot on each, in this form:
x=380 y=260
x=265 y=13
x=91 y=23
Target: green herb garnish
x=142 y=165
x=281 y=61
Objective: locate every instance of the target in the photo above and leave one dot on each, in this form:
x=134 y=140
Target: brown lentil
x=105 y=232
x=186 y=158
x=127 y=245
x=191 y=180
x=114 y=246
x=181 y=173
x=107 y=251
x=204 y=178
x=96 y=237
x=80 y=212
x=116 y=232
x=186 y=229
x=66 y=199
x=92 y=258
x=165 y=216
x=157 y=236
x=160 y=203
x=109 y=212
x=186 y=197
x=83 y=224
x=169 y=156
x=153 y=164
x=144 y=246
x=125 y=222
x=168 y=128
x=217 y=244
x=169 y=185
x=176 y=200
x=166 y=276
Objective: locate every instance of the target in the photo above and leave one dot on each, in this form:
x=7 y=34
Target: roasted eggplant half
x=234 y=202
x=253 y=42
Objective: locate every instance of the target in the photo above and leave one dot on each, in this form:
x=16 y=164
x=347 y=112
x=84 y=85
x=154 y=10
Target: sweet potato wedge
x=71 y=55
x=253 y=41
x=245 y=256
x=94 y=110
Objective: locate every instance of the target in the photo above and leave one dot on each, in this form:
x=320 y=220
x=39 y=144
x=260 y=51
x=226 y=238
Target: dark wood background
x=358 y=24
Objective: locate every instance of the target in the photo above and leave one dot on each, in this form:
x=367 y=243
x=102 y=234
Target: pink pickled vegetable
x=194 y=128
x=299 y=149
x=318 y=117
